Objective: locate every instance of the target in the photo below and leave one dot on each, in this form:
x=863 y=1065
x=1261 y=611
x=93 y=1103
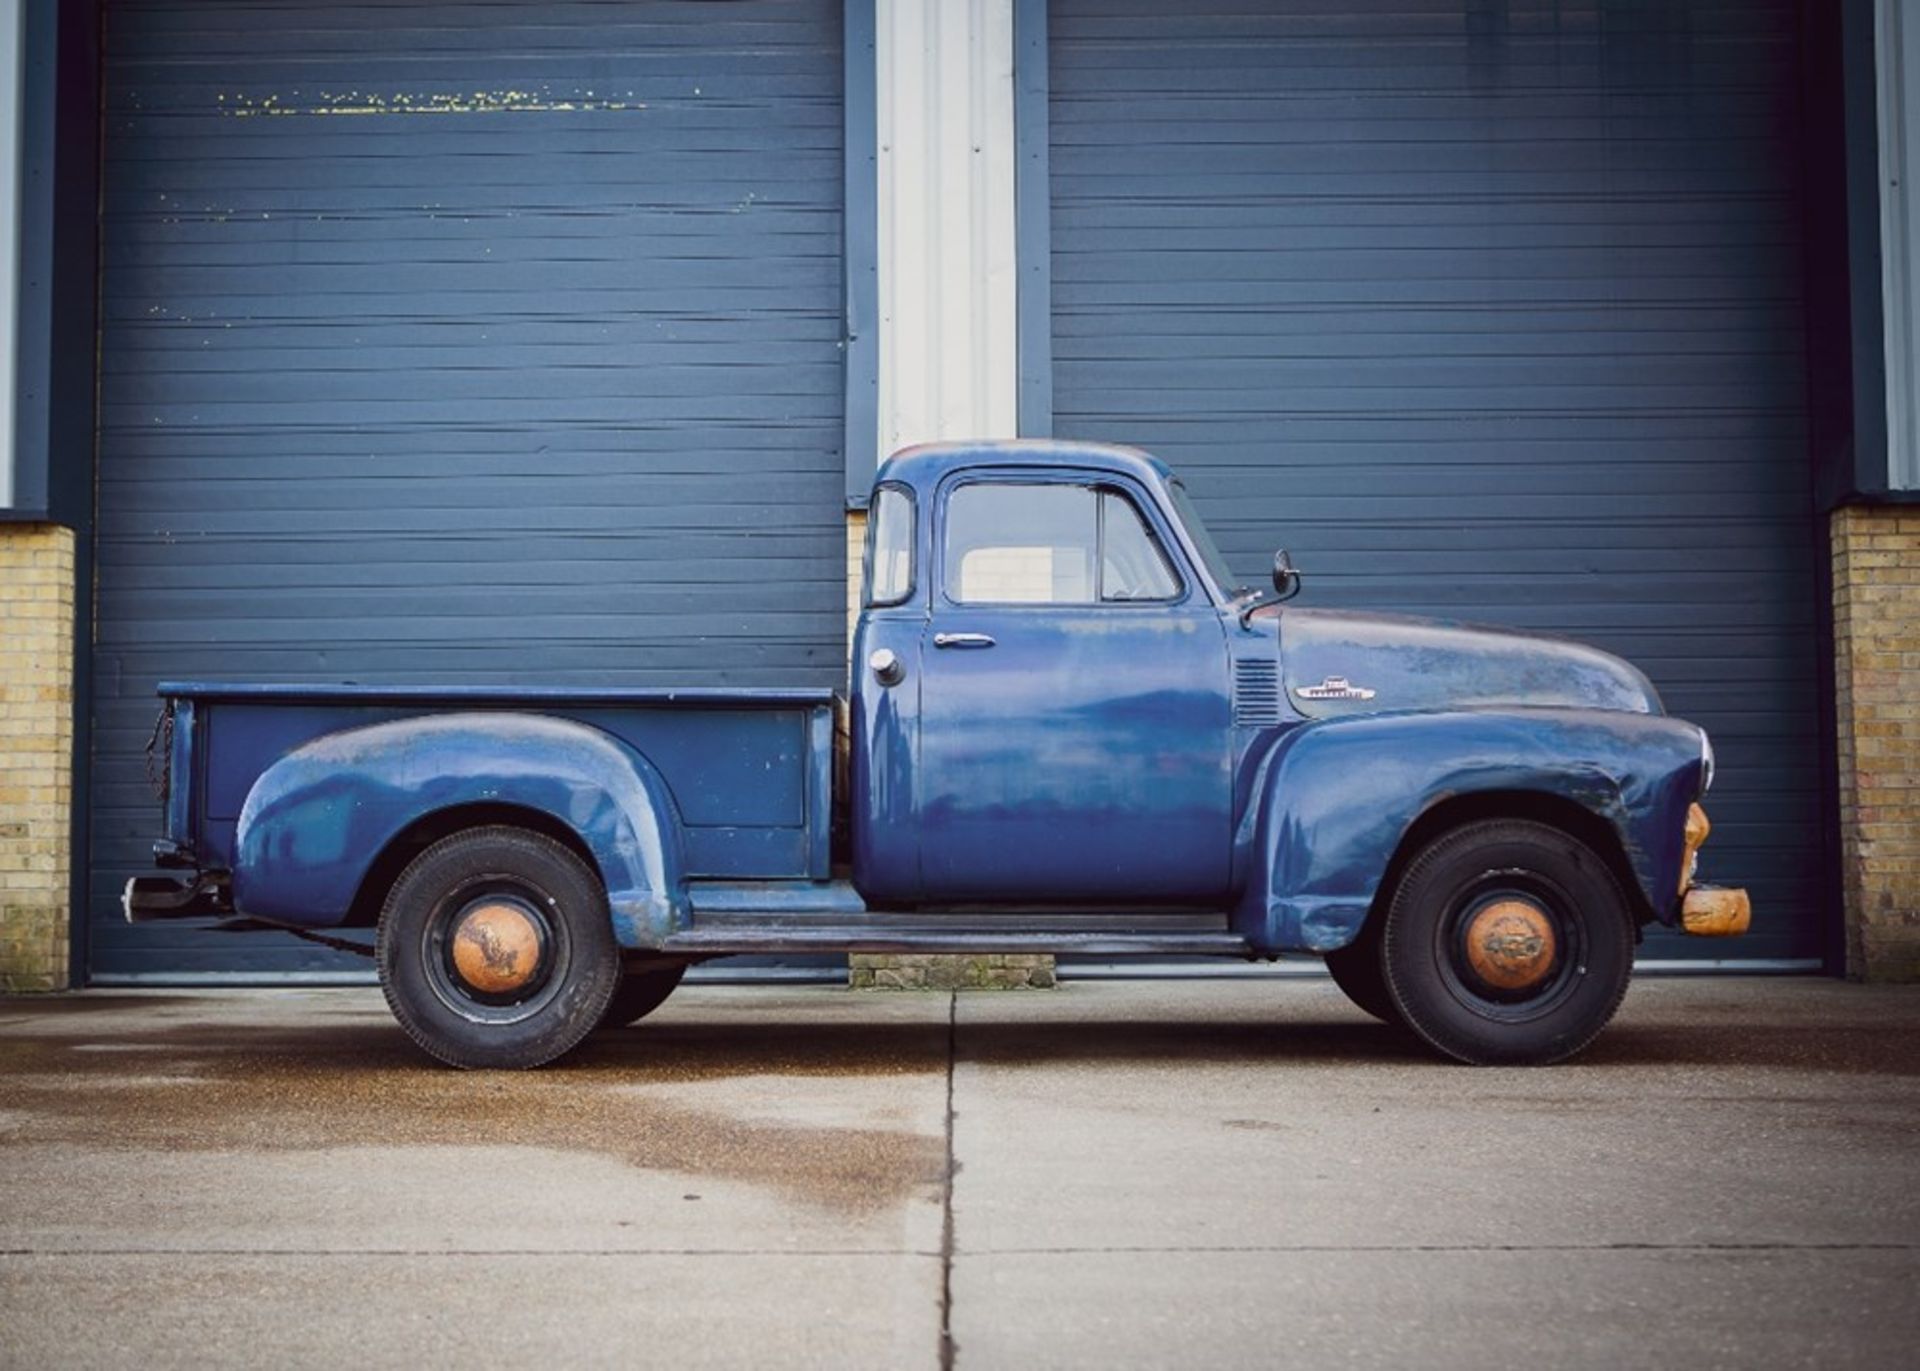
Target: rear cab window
x=889 y=569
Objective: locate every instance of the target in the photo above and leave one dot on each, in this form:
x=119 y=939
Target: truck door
x=1074 y=740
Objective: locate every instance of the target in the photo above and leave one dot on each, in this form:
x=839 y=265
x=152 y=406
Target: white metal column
x=1897 y=52
x=948 y=365
x=12 y=82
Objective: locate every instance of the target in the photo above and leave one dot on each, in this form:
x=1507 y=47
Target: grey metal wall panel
x=1490 y=310
x=1896 y=49
x=459 y=342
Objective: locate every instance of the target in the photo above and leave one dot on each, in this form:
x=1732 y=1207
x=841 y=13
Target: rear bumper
x=148 y=898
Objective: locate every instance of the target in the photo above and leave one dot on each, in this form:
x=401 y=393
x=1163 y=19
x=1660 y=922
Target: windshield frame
x=1213 y=564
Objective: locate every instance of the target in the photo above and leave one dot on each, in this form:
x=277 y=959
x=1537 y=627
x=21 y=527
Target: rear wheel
x=1356 y=969
x=640 y=993
x=1508 y=942
x=496 y=949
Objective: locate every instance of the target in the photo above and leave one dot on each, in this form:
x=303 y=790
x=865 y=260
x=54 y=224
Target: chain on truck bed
x=160 y=752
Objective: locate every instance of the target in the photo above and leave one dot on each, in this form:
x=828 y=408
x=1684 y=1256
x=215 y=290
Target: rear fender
x=1333 y=801
x=317 y=818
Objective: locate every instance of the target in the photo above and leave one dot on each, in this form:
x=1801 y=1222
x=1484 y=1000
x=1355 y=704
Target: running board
x=734 y=917
x=865 y=936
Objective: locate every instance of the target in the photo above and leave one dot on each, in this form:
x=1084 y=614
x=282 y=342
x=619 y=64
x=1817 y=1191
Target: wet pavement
x=1172 y=1173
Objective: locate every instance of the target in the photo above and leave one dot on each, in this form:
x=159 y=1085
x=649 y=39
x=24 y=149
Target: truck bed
x=750 y=770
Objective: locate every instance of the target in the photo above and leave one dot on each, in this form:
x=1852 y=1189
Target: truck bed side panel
x=750 y=781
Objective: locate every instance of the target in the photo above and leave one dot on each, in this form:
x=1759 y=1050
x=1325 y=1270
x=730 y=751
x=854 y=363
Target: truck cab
x=1069 y=730
x=1042 y=696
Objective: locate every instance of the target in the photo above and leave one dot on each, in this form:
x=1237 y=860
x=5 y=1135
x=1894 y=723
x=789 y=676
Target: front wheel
x=1508 y=942
x=496 y=949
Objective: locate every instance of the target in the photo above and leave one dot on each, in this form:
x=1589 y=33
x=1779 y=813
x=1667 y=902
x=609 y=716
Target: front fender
x=318 y=817
x=1334 y=799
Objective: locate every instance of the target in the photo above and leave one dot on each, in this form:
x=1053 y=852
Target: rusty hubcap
x=1510 y=944
x=497 y=948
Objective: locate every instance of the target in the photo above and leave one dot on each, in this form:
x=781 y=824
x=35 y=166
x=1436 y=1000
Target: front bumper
x=1708 y=911
x=1711 y=911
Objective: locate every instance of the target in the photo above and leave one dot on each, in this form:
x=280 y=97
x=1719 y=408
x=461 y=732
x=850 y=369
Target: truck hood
x=1335 y=663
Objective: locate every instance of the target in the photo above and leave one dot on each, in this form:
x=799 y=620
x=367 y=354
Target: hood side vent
x=1256 y=693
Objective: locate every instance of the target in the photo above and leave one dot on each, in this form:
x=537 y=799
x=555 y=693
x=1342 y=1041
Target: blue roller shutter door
x=458 y=342
x=1490 y=311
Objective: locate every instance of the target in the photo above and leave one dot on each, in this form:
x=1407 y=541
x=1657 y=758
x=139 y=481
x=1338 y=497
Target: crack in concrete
x=947 y=1349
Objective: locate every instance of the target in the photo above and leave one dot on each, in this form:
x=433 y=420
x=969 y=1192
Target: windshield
x=1216 y=566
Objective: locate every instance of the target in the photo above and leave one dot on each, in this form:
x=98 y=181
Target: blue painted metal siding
x=1487 y=310
x=460 y=343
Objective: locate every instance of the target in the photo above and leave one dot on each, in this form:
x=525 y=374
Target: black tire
x=1550 y=956
x=640 y=993
x=1356 y=969
x=430 y=928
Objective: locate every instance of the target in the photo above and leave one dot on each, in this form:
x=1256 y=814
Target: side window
x=1026 y=543
x=1132 y=566
x=890 y=548
x=1021 y=543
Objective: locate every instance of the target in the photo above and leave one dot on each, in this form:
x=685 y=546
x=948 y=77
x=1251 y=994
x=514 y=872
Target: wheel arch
x=430 y=828
x=315 y=823
x=1539 y=806
x=1341 y=804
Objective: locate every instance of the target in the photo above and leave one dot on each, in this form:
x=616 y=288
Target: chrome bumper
x=148 y=898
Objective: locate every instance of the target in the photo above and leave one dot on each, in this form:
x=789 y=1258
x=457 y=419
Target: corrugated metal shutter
x=459 y=342
x=1488 y=310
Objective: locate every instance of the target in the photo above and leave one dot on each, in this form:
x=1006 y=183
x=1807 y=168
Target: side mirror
x=1286 y=579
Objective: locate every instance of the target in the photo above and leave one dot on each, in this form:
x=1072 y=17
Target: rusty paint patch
x=1696 y=834
x=1716 y=912
x=496 y=948
x=1511 y=945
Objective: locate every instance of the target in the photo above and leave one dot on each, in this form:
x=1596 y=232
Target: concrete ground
x=1142 y=1174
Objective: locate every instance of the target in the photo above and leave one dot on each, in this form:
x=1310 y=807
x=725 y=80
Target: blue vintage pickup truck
x=1068 y=729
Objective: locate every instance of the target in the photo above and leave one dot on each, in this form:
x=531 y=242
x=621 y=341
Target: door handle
x=962 y=640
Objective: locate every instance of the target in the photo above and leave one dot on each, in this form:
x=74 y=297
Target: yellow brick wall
x=856 y=551
x=1876 y=624
x=36 y=754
